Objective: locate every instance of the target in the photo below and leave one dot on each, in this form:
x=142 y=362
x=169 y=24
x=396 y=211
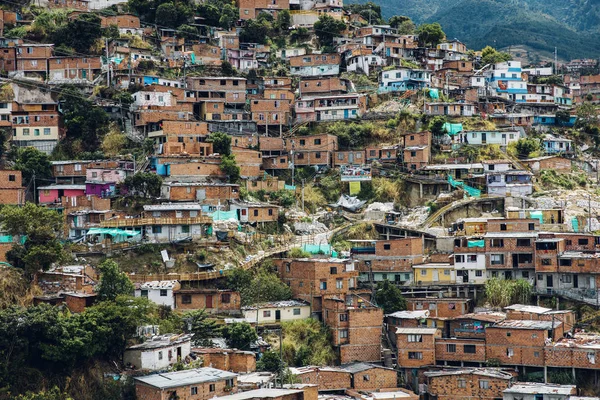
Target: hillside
x=537 y=24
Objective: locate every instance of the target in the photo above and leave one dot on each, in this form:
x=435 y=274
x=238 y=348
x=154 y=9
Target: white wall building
x=159 y=352
x=158 y=292
x=275 y=312
x=470 y=268
x=145 y=98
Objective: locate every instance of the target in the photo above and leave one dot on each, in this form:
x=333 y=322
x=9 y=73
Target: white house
x=509 y=183
x=159 y=352
x=538 y=391
x=278 y=311
x=146 y=98
x=364 y=63
x=158 y=292
x=482 y=138
x=470 y=268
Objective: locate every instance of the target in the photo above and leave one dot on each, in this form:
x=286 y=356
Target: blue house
x=555 y=145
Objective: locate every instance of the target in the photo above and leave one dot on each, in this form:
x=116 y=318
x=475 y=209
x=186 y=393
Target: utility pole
x=589 y=212
x=302 y=194
x=281 y=356
x=107 y=63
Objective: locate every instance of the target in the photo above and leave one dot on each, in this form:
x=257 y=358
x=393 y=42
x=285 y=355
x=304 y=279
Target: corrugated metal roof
x=184 y=378
x=416 y=331
x=540 y=388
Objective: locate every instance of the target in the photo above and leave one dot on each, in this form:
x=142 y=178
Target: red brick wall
x=375 y=378
x=199 y=301
x=447 y=387
x=426 y=348
x=442 y=353
x=445 y=308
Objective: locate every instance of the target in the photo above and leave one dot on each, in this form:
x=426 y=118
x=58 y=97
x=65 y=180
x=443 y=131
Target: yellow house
x=434 y=274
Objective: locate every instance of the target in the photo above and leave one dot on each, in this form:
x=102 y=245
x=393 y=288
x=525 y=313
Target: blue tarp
x=452 y=129
x=476 y=243
x=317 y=248
x=575 y=224
x=289 y=187
x=434 y=93
x=537 y=215
x=224 y=215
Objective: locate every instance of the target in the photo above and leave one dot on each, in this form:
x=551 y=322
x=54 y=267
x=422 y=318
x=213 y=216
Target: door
x=350 y=158
x=549 y=281
x=465 y=276
x=504 y=139
x=277 y=315
x=515 y=259
x=179 y=354
x=209 y=301
x=483 y=138
x=345 y=114
x=436 y=275
x=575 y=281
x=508 y=275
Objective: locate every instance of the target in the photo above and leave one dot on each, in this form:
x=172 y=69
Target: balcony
x=134 y=222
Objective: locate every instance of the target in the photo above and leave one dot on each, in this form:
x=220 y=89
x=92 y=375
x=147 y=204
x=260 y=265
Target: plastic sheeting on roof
x=434 y=93
x=537 y=215
x=289 y=187
x=452 y=129
x=350 y=203
x=317 y=248
x=111 y=232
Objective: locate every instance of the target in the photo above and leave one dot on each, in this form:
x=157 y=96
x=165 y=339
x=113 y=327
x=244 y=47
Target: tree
x=404 y=25
x=258 y=286
x=52 y=394
x=203 y=328
x=230 y=168
x=114 y=141
x=271 y=362
x=284 y=21
x=227 y=70
x=145 y=184
x=188 y=32
x=502 y=293
x=86 y=123
x=370 y=12
x=113 y=282
x=80 y=33
x=389 y=297
x=239 y=335
x=436 y=126
x=430 y=34
x=256 y=30
x=111 y=32
x=489 y=55
x=396 y=20
x=30 y=161
x=562 y=117
x=327 y=28
x=221 y=142
x=526 y=146
x=166 y=15
x=41 y=229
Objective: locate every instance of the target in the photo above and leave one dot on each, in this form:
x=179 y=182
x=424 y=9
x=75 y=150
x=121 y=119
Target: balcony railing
x=132 y=222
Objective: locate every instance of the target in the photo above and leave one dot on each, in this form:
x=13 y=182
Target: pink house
x=53 y=193
x=105 y=175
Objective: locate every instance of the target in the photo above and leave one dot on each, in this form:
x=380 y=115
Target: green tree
x=256 y=30
x=404 y=25
x=145 y=184
x=389 y=297
x=436 y=125
x=562 y=117
x=203 y=328
x=113 y=282
x=489 y=55
x=188 y=32
x=230 y=168
x=284 y=21
x=327 y=28
x=111 y=32
x=86 y=123
x=271 y=362
x=431 y=34
x=30 y=161
x=52 y=394
x=239 y=335
x=166 y=15
x=221 y=142
x=227 y=70
x=370 y=11
x=307 y=342
x=526 y=146
x=258 y=286
x=41 y=228
x=80 y=33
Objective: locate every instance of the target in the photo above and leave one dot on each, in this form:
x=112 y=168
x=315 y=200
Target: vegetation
x=113 y=282
x=327 y=27
x=389 y=297
x=239 y=335
x=32 y=162
x=230 y=168
x=307 y=342
x=145 y=184
x=40 y=230
x=221 y=143
x=430 y=34
x=203 y=327
x=258 y=286
x=502 y=293
x=271 y=362
x=552 y=179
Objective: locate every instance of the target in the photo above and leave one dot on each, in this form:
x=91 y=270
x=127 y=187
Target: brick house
x=315 y=65
x=212 y=300
x=253 y=212
x=479 y=383
x=416 y=157
x=78 y=302
x=330 y=85
x=249 y=9
x=365 y=376
x=237 y=361
x=326 y=378
x=381 y=260
x=416 y=346
x=11 y=187
x=204 y=192
x=53 y=193
x=194 y=384
x=520 y=342
x=440 y=307
x=460 y=350
x=539 y=391
x=313 y=279
x=330 y=107
x=535 y=313
x=473 y=326
x=299 y=392
x=356 y=327
x=510 y=255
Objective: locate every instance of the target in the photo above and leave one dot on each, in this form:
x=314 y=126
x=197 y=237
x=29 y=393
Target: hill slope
x=538 y=24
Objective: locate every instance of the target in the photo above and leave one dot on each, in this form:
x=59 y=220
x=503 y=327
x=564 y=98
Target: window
x=413 y=153
x=459 y=259
x=270 y=211
x=510 y=353
x=484 y=384
x=462 y=383
x=432 y=306
x=25 y=131
x=582 y=242
x=267 y=314
x=423 y=272
x=186 y=299
x=46 y=131
x=523 y=242
x=333 y=270
x=160 y=355
x=297 y=310
x=343 y=334
x=546 y=261
x=317 y=141
x=508 y=334
x=415 y=355
x=497 y=243
x=479 y=273
x=256 y=213
x=469 y=349
x=415 y=338
x=497 y=259
x=323 y=285
x=225 y=298
x=211 y=387
x=343 y=317
x=339 y=284
x=532 y=227
x=12 y=178
x=163 y=292
x=185 y=229
x=193 y=390
x=387 y=246
x=447 y=272
x=567 y=279
x=536 y=354
x=503 y=227
x=144 y=293
x=366 y=378
x=471 y=258
x=451 y=348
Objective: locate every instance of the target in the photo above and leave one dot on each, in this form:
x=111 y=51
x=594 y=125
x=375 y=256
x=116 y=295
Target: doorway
x=209 y=301
x=277 y=315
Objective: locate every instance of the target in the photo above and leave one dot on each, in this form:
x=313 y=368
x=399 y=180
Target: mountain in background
x=535 y=25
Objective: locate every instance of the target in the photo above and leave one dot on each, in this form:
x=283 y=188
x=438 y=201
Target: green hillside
x=570 y=25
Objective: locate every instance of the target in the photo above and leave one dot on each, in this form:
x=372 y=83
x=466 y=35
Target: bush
x=297 y=252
